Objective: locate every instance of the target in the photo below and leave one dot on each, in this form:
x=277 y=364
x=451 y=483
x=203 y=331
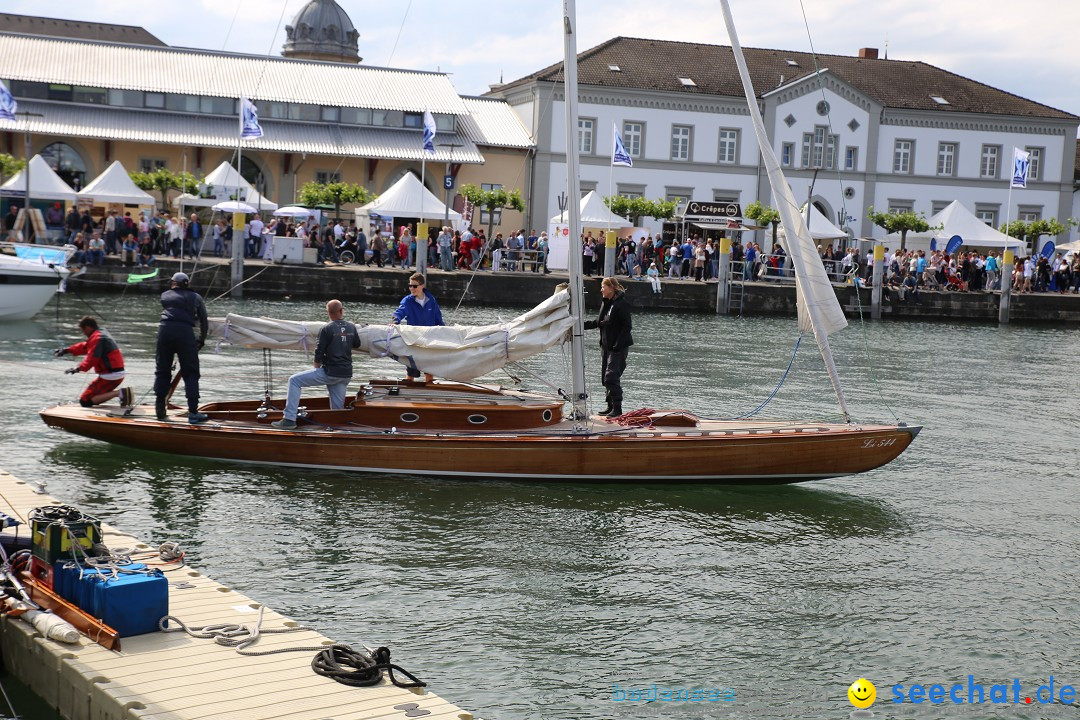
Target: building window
x=485 y=215
x=149 y=165
x=633 y=134
x=988 y=165
x=729 y=146
x=90 y=95
x=815 y=152
x=219 y=106
x=309 y=113
x=680 y=142
x=902 y=152
x=66 y=162
x=446 y=123
x=939 y=205
x=182 y=103
x=725 y=196
x=901 y=206
x=330 y=114
x=946 y=159
x=1030 y=213
x=415 y=120
x=1035 y=156
x=355 y=116
x=787 y=153
x=126 y=98
x=387 y=118
x=324 y=177
x=987 y=214
x=155 y=100
x=851 y=158
x=586 y=135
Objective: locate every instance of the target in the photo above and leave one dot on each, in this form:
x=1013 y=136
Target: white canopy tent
x=44 y=183
x=820 y=226
x=595 y=214
x=225 y=180
x=956 y=219
x=115 y=186
x=406 y=198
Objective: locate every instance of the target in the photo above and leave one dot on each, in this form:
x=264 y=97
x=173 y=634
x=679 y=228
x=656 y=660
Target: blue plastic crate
x=131 y=604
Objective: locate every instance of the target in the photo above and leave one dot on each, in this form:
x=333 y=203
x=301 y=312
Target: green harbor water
x=528 y=601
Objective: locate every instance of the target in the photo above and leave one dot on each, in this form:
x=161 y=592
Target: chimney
x=868 y=53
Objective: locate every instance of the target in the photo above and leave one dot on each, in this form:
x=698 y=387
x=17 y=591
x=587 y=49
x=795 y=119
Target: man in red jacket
x=103 y=356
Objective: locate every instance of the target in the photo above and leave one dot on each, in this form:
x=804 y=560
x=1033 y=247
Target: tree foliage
x=336 y=193
x=901 y=222
x=633 y=209
x=763 y=215
x=9 y=165
x=492 y=201
x=1030 y=232
x=163 y=180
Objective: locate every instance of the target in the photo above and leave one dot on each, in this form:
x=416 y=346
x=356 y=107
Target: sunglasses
x=414 y=286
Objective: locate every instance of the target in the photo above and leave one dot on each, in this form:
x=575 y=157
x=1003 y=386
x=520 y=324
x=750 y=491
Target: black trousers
x=612 y=365
x=177 y=340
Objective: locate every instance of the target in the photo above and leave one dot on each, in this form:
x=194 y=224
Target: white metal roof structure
x=115 y=186
x=44 y=183
x=210 y=131
x=491 y=121
x=219 y=74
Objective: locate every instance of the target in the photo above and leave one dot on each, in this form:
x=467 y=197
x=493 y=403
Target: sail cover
x=454 y=352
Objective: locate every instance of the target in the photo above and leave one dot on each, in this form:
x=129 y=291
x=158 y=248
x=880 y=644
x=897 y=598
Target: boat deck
x=172 y=676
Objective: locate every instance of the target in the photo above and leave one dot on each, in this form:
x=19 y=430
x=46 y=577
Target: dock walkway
x=173 y=676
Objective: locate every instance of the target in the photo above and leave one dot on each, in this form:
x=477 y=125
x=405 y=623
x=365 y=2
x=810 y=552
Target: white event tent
x=820 y=227
x=44 y=183
x=406 y=198
x=956 y=219
x=224 y=180
x=115 y=186
x=595 y=214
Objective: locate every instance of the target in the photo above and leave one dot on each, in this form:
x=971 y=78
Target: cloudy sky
x=1027 y=48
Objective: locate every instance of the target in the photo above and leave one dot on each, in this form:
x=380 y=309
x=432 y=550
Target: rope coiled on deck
x=360 y=669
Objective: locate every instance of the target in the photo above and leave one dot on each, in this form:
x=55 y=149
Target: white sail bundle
x=454 y=352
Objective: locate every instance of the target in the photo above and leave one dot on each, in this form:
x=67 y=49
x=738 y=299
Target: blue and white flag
x=249 y=120
x=8 y=106
x=429 y=132
x=619 y=156
x=1021 y=166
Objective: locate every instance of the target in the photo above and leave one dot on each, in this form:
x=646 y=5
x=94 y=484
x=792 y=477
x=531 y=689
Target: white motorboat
x=29 y=279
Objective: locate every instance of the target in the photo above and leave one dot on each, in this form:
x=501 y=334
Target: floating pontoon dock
x=173 y=676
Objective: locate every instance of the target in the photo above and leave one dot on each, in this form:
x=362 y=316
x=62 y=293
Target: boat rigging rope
x=359 y=669
x=235 y=635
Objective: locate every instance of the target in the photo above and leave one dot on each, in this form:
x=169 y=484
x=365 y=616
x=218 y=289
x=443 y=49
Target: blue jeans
x=336 y=386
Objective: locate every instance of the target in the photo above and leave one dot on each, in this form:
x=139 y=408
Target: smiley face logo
x=862 y=693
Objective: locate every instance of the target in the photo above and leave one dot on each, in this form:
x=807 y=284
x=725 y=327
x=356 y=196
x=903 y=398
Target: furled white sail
x=819 y=310
x=454 y=352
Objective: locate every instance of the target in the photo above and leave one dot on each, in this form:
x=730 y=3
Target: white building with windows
x=861 y=131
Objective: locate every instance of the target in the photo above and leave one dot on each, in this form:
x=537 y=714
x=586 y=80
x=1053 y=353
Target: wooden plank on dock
x=173 y=676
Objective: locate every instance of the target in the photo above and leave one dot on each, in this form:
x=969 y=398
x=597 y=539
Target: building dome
x=322 y=31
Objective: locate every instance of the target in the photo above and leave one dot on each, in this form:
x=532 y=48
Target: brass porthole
x=478 y=419
x=546 y=416
x=409 y=417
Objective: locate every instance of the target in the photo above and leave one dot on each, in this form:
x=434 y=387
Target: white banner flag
x=1021 y=166
x=249 y=120
x=619 y=156
x=429 y=132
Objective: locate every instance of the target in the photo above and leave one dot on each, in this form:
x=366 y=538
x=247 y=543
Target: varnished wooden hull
x=712 y=452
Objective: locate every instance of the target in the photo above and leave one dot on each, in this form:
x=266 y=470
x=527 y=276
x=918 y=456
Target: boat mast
x=813 y=289
x=573 y=189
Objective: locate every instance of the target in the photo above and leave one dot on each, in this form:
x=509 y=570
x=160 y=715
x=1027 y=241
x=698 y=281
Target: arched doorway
x=66 y=162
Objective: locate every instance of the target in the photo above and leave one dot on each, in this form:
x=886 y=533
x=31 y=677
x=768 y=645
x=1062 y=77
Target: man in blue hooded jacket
x=419 y=307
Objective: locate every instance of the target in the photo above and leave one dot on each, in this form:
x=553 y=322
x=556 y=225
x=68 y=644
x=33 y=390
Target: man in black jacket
x=182 y=311
x=615 y=340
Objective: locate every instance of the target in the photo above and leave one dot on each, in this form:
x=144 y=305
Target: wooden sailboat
x=461 y=429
